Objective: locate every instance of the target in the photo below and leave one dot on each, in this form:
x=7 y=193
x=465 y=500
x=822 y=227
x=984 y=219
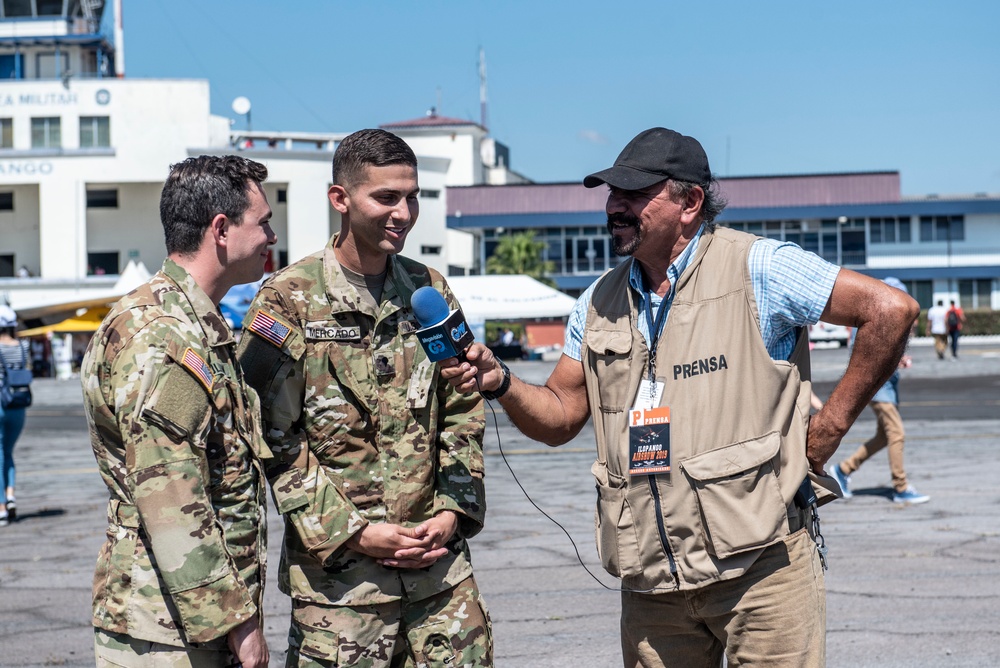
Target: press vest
x=738 y=423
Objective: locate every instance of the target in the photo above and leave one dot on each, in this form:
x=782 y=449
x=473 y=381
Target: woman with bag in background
x=16 y=396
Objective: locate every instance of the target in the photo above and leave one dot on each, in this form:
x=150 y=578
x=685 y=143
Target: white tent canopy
x=507 y=297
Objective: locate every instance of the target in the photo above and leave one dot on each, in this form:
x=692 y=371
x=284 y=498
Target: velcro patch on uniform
x=325 y=331
x=194 y=363
x=408 y=326
x=270 y=328
x=177 y=405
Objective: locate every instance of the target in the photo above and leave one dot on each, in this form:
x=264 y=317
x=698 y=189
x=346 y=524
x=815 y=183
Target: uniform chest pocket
x=738 y=495
x=609 y=354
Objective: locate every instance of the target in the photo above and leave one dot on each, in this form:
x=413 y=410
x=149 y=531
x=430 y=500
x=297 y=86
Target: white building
x=84 y=153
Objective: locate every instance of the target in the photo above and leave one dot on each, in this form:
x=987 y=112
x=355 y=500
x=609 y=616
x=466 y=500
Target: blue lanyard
x=656 y=327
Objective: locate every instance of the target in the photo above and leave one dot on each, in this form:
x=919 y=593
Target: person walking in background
x=890 y=432
x=176 y=435
x=955 y=320
x=378 y=467
x=937 y=323
x=14 y=354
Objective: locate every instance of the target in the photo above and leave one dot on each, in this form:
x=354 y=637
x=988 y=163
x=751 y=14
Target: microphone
x=443 y=333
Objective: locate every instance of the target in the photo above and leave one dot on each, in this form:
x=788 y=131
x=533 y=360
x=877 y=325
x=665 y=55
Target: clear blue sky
x=769 y=87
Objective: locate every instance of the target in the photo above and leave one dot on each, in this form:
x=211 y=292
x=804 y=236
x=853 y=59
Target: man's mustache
x=621 y=219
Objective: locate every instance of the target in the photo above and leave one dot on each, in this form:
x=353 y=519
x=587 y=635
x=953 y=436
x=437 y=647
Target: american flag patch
x=199 y=367
x=270 y=328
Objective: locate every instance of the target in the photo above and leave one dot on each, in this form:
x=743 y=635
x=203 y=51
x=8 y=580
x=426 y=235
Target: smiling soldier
x=379 y=464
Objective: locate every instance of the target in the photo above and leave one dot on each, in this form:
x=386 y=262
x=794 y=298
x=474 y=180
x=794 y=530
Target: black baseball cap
x=655 y=155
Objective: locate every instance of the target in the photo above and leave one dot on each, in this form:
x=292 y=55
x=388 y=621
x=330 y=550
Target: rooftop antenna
x=483 y=103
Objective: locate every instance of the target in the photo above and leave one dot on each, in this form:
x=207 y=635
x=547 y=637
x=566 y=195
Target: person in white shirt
x=936 y=316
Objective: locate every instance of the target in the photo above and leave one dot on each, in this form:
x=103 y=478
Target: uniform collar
x=344 y=297
x=199 y=306
x=675 y=269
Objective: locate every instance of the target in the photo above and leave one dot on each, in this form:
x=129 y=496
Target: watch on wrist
x=504 y=384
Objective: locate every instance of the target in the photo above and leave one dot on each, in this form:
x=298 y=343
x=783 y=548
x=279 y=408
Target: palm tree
x=520 y=254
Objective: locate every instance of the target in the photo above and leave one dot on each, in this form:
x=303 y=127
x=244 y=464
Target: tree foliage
x=521 y=254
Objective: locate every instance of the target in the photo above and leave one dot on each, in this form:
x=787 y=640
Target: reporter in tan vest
x=692 y=358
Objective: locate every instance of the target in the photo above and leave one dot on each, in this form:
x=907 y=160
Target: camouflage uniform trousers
x=113 y=650
x=451 y=629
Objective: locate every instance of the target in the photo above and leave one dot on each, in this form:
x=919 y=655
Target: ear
x=339 y=198
x=692 y=205
x=219 y=230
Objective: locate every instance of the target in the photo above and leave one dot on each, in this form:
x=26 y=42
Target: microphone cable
x=503 y=455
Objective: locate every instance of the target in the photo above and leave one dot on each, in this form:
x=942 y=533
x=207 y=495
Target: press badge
x=649 y=394
x=649 y=440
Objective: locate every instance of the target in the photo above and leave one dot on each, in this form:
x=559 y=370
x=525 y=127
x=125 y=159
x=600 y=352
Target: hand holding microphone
x=446 y=338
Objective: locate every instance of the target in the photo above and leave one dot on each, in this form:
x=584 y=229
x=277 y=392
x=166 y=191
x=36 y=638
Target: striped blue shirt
x=792 y=287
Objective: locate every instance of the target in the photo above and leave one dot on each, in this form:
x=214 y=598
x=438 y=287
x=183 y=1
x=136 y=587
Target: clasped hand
x=401 y=547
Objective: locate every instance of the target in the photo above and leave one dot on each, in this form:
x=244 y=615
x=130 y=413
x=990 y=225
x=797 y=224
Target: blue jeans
x=11 y=424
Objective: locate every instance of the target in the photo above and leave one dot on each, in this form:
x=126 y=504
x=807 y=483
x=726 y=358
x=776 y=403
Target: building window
x=430 y=250
x=922 y=291
x=95 y=131
x=6 y=201
x=12 y=66
x=105 y=198
x=976 y=293
x=6 y=133
x=430 y=194
x=99 y=264
x=890 y=230
x=7 y=265
x=13 y=8
x=942 y=228
x=46 y=132
x=49 y=7
x=282 y=195
x=51 y=65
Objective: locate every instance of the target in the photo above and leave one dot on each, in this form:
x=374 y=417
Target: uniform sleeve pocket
x=617 y=541
x=738 y=495
x=178 y=404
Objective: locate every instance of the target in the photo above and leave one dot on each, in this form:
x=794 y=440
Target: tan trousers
x=890 y=432
x=774 y=615
x=940 y=344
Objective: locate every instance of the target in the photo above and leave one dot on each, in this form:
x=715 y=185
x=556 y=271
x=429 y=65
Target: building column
x=62 y=228
x=308 y=216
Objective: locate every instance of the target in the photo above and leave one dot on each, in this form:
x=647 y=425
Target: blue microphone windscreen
x=429 y=306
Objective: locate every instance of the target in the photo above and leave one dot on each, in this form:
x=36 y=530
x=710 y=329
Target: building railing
x=285 y=141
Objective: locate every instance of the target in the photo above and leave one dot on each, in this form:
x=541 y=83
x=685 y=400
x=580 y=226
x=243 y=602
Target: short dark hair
x=712 y=205
x=360 y=149
x=199 y=189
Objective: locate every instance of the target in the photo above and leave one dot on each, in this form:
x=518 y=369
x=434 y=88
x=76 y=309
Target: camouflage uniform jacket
x=176 y=434
x=362 y=428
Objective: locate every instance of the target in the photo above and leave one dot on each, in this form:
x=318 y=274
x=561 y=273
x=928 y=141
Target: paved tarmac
x=908 y=586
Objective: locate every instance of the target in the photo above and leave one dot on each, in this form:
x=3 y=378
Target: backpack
x=952 y=320
x=15 y=389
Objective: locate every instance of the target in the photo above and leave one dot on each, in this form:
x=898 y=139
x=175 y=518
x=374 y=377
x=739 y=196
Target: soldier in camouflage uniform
x=176 y=433
x=378 y=465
